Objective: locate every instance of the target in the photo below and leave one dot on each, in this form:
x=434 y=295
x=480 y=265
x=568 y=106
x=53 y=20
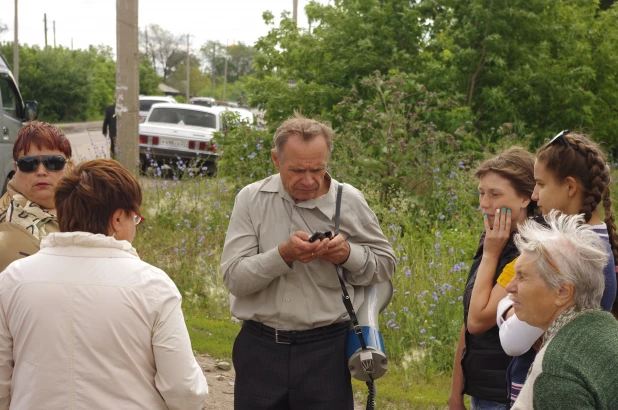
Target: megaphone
x=371 y=364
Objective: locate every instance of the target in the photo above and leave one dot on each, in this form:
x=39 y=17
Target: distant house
x=167 y=90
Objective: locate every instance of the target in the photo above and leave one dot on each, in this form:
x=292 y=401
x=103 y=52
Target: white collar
x=58 y=240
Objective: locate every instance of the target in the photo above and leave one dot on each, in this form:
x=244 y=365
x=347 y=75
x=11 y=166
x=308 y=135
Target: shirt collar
x=324 y=203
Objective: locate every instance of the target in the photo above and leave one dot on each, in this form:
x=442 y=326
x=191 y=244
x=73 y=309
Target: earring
x=114 y=235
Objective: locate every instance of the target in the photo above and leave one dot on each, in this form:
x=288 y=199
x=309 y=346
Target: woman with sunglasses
x=27 y=211
x=572 y=176
x=85 y=323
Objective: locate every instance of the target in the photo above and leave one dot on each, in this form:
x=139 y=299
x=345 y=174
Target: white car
x=147 y=101
x=204 y=101
x=175 y=132
x=244 y=114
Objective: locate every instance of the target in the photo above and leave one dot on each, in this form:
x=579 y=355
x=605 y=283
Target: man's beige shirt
x=305 y=296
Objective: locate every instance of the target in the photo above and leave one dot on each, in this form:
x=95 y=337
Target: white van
x=14 y=113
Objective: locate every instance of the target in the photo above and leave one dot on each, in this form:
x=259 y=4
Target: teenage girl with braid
x=572 y=176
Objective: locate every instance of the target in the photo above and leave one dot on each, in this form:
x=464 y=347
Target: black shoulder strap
x=347 y=302
x=338 y=208
x=345 y=296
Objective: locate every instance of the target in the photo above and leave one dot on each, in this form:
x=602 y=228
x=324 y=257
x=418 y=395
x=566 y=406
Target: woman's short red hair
x=41 y=135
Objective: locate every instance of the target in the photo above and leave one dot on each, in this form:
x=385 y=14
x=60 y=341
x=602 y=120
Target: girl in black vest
x=506 y=183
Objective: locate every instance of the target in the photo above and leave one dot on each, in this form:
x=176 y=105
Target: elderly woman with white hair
x=557 y=287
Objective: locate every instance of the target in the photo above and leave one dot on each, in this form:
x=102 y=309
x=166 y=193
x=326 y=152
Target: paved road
x=86 y=139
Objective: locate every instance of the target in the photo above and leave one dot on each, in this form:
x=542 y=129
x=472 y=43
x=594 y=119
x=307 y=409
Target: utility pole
x=295 y=12
x=188 y=70
x=127 y=84
x=54 y=33
x=225 y=74
x=154 y=65
x=213 y=74
x=45 y=25
x=16 y=50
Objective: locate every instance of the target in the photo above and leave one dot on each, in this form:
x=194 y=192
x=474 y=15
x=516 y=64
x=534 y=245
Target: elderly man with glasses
x=27 y=211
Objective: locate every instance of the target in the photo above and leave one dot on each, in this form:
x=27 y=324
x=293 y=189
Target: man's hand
x=105 y=134
x=297 y=248
x=338 y=250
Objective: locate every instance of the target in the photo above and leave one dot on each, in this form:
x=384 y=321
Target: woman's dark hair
x=517 y=165
x=88 y=195
x=583 y=160
x=41 y=135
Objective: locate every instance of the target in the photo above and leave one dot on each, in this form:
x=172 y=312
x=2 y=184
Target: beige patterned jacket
x=22 y=226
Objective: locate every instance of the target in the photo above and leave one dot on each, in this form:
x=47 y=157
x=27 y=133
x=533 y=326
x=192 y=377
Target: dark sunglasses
x=31 y=163
x=561 y=136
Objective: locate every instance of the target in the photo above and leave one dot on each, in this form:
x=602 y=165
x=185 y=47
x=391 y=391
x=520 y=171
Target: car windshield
x=187 y=117
x=144 y=105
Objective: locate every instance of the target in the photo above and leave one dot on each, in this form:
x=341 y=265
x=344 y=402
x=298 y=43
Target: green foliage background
x=71 y=85
x=539 y=65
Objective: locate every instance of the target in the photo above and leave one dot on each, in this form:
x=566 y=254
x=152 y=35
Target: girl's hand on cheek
x=497 y=238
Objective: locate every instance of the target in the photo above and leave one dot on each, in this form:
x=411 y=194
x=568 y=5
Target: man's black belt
x=297 y=336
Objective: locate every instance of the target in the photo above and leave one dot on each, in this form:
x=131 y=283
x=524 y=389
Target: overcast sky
x=93 y=22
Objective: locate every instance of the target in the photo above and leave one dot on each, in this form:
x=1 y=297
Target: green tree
x=239 y=58
x=198 y=80
x=311 y=71
x=148 y=79
x=103 y=80
x=69 y=85
x=539 y=65
x=164 y=49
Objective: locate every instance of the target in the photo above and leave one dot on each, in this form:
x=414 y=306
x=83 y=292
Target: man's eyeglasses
x=561 y=136
x=138 y=219
x=31 y=163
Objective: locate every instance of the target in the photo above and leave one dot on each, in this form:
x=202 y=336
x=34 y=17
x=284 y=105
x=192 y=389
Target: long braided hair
x=583 y=159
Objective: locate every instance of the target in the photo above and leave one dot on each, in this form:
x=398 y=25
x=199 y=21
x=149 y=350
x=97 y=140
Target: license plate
x=173 y=143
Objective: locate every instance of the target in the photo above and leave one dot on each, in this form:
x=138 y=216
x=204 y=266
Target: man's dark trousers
x=273 y=376
x=109 y=124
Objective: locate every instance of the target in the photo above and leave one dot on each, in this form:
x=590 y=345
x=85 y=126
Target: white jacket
x=85 y=324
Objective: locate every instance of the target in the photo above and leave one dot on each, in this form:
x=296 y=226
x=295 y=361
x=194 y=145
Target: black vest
x=484 y=362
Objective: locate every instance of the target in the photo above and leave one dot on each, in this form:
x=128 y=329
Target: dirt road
x=87 y=140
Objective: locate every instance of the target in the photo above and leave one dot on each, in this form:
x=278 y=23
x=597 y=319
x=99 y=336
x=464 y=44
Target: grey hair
x=306 y=128
x=567 y=251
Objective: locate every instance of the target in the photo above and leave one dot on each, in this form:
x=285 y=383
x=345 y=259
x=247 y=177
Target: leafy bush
x=245 y=151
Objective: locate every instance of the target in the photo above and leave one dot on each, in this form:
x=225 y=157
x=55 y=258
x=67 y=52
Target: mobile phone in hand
x=319 y=236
